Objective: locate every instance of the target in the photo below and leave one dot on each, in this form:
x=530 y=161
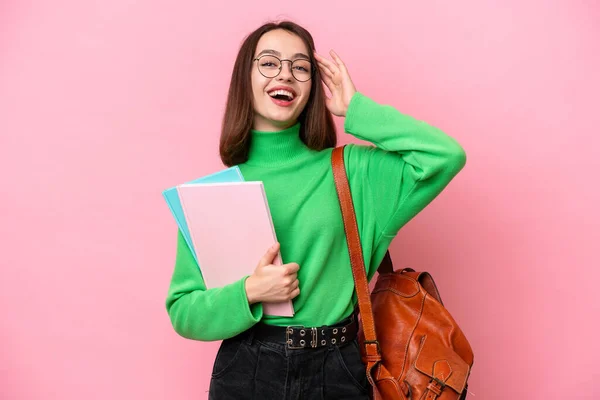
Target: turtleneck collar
x=276 y=148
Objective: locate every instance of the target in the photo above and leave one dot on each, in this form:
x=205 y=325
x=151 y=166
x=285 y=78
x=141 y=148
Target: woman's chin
x=276 y=120
x=282 y=121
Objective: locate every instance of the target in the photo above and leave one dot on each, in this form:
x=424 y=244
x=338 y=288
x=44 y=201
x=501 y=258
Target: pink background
x=105 y=104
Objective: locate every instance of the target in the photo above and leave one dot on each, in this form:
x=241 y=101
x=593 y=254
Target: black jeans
x=247 y=368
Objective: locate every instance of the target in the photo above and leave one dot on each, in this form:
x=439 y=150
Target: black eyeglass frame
x=312 y=66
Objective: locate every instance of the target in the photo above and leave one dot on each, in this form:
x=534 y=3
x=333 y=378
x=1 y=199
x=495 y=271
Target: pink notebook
x=231 y=228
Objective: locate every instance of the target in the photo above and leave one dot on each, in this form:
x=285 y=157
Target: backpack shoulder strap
x=372 y=350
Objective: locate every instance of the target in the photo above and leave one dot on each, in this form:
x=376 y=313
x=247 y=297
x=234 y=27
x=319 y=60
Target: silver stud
x=302 y=332
x=291 y=330
x=290 y=341
x=343 y=339
x=344 y=330
x=333 y=341
x=323 y=342
x=302 y=342
x=335 y=331
x=322 y=331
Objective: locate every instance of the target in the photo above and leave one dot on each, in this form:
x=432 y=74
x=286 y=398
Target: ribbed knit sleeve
x=201 y=314
x=411 y=163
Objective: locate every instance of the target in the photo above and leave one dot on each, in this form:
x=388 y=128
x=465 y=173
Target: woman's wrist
x=250 y=291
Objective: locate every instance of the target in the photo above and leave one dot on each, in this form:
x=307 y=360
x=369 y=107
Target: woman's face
x=279 y=100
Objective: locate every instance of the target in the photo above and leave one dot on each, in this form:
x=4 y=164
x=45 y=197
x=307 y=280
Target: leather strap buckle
x=376 y=342
x=435 y=388
x=439 y=382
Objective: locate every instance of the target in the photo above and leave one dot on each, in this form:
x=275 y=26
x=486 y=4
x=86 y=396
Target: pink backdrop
x=105 y=104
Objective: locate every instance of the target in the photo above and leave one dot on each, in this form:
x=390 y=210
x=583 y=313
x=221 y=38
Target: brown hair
x=317 y=129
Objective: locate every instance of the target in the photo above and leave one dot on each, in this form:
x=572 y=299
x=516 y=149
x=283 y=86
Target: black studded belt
x=302 y=337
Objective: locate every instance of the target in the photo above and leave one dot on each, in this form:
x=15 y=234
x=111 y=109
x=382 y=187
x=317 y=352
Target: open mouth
x=282 y=94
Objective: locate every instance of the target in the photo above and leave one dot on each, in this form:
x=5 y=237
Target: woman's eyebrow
x=278 y=54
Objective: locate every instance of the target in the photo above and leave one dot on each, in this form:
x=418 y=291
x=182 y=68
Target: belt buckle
x=289 y=341
x=313 y=341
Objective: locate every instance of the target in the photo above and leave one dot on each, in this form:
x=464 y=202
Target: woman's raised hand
x=337 y=79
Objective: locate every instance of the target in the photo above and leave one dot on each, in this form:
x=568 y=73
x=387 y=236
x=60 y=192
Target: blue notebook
x=232 y=174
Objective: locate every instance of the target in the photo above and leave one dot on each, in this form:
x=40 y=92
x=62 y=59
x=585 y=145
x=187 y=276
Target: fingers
x=295 y=284
x=329 y=70
x=291 y=268
x=337 y=65
x=269 y=255
x=294 y=289
x=330 y=66
x=294 y=293
x=325 y=72
x=327 y=77
x=338 y=60
x=329 y=83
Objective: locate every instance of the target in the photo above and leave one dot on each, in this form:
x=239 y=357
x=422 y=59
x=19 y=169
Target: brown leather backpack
x=412 y=347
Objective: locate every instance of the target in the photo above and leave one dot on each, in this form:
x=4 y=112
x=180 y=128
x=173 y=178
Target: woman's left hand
x=336 y=77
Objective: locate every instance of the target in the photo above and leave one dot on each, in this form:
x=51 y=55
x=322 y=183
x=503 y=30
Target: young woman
x=278 y=128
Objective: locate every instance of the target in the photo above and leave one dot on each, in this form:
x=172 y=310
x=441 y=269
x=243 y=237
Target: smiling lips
x=282 y=96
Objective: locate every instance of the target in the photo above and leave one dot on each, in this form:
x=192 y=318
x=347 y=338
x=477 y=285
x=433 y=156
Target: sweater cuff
x=357 y=101
x=253 y=312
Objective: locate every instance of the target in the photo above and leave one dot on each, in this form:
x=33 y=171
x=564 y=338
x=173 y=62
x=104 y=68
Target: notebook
x=171 y=196
x=231 y=228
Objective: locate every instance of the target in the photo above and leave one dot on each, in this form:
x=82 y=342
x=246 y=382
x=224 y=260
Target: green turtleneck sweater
x=410 y=164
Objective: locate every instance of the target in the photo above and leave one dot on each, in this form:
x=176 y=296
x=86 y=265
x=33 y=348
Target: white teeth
x=281 y=93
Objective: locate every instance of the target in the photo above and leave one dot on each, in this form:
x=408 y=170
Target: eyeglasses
x=270 y=66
